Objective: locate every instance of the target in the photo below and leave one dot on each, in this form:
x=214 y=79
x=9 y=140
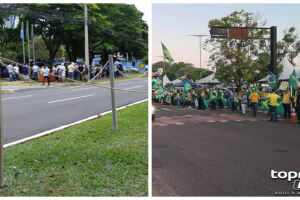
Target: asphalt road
x=221 y=153
x=31 y=111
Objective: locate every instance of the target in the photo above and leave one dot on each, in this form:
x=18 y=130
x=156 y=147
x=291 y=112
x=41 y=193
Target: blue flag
x=22 y=32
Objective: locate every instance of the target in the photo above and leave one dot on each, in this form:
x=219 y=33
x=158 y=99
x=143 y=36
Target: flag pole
x=32 y=37
x=23 y=43
x=28 y=45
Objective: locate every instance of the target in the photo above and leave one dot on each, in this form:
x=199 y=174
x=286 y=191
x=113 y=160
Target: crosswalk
x=195 y=116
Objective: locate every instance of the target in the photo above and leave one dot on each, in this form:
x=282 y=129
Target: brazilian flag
x=293 y=79
x=272 y=80
x=265 y=105
x=171 y=87
x=187 y=86
x=224 y=101
x=158 y=81
x=167 y=54
x=168 y=98
x=154 y=84
x=213 y=96
x=160 y=93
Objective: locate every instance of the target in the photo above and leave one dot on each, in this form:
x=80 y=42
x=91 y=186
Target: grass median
x=89 y=159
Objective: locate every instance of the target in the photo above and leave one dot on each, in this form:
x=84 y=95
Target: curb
x=48 y=132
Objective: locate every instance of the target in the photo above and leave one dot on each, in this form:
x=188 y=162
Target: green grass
x=7 y=91
x=89 y=159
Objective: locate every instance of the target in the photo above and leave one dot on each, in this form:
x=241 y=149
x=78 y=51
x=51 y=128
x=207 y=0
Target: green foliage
x=238 y=61
x=178 y=70
x=289 y=46
x=113 y=28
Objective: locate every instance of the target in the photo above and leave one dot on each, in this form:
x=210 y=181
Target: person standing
x=16 y=71
x=254 y=101
x=229 y=97
x=244 y=103
x=76 y=72
x=10 y=70
x=25 y=71
x=45 y=71
x=286 y=103
x=71 y=69
x=35 y=69
x=273 y=105
x=297 y=103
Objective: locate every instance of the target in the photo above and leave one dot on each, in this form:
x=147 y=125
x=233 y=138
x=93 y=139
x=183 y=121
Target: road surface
x=221 y=153
x=31 y=111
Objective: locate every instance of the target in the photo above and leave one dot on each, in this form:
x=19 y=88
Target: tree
x=233 y=59
x=289 y=46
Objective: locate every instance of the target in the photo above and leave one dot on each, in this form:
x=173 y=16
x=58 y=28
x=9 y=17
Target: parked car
x=130 y=69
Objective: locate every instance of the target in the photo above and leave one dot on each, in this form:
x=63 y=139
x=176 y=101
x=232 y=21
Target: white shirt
x=45 y=71
x=35 y=68
x=62 y=69
x=10 y=68
x=16 y=68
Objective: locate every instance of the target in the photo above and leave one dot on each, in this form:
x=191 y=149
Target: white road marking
x=211 y=121
x=238 y=120
x=71 y=98
x=17 y=97
x=84 y=88
x=180 y=123
x=66 y=126
x=168 y=109
x=132 y=87
x=223 y=120
x=122 y=83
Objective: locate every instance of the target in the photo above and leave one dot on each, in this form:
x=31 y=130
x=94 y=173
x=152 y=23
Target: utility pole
x=200 y=39
x=112 y=86
x=86 y=40
x=273 y=66
x=199 y=36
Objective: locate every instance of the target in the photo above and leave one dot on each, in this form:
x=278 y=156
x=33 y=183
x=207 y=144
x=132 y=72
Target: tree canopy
x=112 y=28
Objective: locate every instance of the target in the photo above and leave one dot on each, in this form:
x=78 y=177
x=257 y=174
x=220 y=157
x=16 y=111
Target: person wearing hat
x=286 y=103
x=297 y=103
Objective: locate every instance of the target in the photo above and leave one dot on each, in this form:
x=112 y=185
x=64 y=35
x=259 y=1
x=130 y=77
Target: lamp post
x=200 y=37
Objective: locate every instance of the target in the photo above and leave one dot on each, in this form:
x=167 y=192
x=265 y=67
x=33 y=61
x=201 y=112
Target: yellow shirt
x=286 y=98
x=273 y=99
x=254 y=97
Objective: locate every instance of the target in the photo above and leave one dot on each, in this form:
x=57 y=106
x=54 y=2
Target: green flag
x=272 y=80
x=213 y=96
x=293 y=79
x=187 y=86
x=167 y=54
x=27 y=31
x=265 y=105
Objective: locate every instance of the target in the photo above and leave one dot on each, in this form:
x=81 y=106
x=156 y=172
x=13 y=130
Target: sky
x=172 y=23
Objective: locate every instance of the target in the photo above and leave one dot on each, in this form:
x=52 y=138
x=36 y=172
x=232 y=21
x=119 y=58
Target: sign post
x=112 y=86
x=243 y=33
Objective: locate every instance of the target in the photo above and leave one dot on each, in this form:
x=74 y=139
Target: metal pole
x=33 y=50
x=1 y=141
x=273 y=46
x=200 y=51
x=112 y=86
x=23 y=40
x=28 y=45
x=86 y=40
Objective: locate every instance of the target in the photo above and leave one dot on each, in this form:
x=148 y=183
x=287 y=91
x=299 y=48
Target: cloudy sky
x=171 y=23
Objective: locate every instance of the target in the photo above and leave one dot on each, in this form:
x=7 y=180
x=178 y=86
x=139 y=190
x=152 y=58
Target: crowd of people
x=61 y=72
x=213 y=99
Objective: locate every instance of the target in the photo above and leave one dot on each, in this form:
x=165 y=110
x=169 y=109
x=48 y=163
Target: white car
x=130 y=69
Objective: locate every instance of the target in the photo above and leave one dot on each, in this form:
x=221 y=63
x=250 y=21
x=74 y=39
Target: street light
x=199 y=36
